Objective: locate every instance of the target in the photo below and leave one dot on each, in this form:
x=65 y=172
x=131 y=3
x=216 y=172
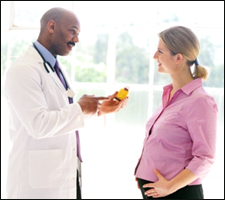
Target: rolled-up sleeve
x=202 y=125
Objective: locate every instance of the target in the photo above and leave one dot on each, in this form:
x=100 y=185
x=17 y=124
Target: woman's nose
x=155 y=55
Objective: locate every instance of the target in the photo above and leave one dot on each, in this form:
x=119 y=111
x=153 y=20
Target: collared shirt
x=45 y=53
x=48 y=57
x=181 y=134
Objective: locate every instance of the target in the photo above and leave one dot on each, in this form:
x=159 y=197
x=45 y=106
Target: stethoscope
x=69 y=92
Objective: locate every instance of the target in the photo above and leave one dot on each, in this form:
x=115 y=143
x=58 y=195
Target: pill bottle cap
x=127 y=87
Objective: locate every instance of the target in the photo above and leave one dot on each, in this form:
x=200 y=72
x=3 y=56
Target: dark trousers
x=78 y=187
x=187 y=192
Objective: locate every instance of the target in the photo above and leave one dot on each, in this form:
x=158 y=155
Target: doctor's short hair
x=180 y=39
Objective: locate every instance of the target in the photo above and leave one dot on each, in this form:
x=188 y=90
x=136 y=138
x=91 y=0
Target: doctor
x=43 y=162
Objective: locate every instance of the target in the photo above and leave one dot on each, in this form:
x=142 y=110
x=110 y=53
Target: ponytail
x=200 y=71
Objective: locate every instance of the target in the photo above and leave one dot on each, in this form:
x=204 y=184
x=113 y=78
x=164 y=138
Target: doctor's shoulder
x=23 y=69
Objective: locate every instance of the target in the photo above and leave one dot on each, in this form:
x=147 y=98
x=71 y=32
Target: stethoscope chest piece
x=70 y=93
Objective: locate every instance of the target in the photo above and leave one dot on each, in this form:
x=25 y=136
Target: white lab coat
x=42 y=162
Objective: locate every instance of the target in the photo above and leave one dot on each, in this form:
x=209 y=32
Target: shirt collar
x=45 y=53
x=188 y=88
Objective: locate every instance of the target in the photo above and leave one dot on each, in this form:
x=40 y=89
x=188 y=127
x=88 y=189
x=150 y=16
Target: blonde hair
x=179 y=39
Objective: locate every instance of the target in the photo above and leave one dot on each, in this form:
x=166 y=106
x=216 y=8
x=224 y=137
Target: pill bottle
x=122 y=93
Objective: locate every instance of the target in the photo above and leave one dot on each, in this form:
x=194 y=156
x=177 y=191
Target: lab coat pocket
x=45 y=168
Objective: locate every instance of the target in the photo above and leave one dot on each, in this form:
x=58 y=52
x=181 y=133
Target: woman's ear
x=179 y=58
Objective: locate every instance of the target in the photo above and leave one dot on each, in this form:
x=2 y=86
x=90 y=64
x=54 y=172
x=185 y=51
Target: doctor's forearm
x=55 y=123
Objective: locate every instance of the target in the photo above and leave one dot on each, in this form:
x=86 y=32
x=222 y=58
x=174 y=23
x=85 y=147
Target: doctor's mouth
x=71 y=45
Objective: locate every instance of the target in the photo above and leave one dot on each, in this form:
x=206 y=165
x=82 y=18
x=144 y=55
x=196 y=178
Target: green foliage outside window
x=207 y=58
x=91 y=61
x=132 y=62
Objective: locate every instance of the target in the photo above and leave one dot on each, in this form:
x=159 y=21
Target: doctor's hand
x=90 y=104
x=111 y=105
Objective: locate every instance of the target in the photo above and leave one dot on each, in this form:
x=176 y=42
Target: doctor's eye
x=74 y=32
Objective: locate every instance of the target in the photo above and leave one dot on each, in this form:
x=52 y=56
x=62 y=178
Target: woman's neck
x=180 y=81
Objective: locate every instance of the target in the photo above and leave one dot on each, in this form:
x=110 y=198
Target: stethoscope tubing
x=44 y=61
x=68 y=92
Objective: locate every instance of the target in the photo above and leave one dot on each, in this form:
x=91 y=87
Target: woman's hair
x=179 y=39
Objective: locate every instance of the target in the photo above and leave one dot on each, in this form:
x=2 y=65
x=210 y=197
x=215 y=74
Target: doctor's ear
x=51 y=26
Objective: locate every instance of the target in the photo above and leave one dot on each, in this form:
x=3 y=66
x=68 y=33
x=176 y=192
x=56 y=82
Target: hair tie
x=196 y=62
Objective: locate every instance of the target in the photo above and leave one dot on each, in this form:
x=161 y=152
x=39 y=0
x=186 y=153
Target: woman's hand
x=160 y=188
x=164 y=187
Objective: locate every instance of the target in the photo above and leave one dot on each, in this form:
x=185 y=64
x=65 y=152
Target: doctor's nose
x=76 y=39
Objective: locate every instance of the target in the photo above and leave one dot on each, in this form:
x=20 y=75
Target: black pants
x=187 y=192
x=78 y=187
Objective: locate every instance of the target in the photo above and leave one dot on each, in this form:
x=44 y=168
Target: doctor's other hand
x=90 y=104
x=111 y=105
